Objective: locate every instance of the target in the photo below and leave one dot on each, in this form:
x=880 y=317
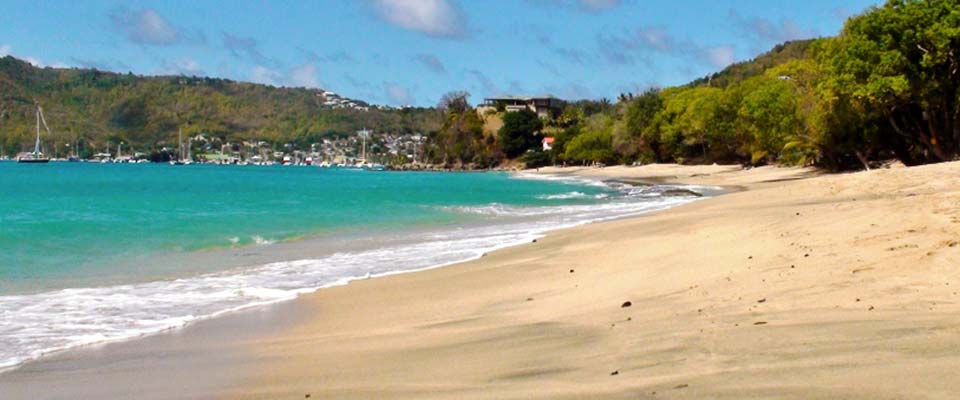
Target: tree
x=903 y=59
x=519 y=132
x=455 y=101
x=595 y=143
x=768 y=113
x=631 y=136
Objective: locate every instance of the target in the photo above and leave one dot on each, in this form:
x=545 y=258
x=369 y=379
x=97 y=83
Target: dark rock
x=681 y=386
x=626 y=304
x=760 y=323
x=617 y=372
x=680 y=193
x=571 y=271
x=763 y=300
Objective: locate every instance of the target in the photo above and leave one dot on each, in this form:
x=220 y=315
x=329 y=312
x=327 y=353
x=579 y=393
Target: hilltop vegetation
x=886 y=87
x=100 y=109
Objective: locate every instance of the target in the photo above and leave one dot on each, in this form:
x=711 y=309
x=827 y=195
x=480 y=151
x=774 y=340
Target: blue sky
x=413 y=51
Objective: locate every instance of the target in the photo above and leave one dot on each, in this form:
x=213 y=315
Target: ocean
x=92 y=253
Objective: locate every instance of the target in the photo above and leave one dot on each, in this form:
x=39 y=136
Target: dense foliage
x=520 y=132
x=460 y=142
x=886 y=87
x=100 y=109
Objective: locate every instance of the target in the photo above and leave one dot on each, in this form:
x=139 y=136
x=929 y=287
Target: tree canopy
x=519 y=132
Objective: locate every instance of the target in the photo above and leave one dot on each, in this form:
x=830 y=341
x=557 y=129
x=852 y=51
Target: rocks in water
x=626 y=304
x=680 y=193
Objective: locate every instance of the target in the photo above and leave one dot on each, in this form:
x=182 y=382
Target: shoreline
x=281 y=251
x=510 y=325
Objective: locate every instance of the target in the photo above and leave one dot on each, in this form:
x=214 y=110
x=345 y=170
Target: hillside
x=737 y=72
x=100 y=109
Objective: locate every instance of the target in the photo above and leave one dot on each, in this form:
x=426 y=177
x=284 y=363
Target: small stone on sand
x=626 y=304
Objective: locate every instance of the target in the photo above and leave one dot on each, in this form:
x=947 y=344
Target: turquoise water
x=66 y=224
x=91 y=253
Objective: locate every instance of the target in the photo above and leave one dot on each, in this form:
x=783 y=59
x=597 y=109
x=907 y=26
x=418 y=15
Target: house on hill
x=545 y=105
x=547 y=143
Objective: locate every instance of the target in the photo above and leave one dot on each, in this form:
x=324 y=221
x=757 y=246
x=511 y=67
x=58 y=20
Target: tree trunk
x=863 y=160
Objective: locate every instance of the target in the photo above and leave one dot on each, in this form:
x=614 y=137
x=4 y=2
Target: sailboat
x=181 y=160
x=362 y=163
x=37 y=156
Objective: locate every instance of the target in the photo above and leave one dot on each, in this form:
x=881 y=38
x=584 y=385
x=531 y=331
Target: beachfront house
x=545 y=106
x=547 y=143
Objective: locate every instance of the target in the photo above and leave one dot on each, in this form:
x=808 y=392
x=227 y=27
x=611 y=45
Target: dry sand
x=834 y=286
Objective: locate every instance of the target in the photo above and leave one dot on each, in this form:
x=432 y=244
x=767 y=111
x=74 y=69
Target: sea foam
x=32 y=325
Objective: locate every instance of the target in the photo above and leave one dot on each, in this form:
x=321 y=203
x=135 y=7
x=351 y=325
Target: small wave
x=36 y=324
x=563 y=196
x=261 y=241
x=570 y=180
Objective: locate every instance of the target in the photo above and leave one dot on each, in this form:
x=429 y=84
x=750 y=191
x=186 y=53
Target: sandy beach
x=799 y=285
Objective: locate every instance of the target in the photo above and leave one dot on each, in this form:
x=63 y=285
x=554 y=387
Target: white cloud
x=241 y=47
x=397 y=94
x=145 y=26
x=182 y=66
x=598 y=5
x=6 y=50
x=304 y=76
x=770 y=32
x=656 y=38
x=628 y=48
x=487 y=86
x=720 y=56
x=266 y=76
x=40 y=64
x=431 y=62
x=437 y=18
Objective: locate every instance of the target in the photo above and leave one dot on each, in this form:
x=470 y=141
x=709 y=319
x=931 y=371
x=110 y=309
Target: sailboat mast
x=363 y=150
x=36 y=147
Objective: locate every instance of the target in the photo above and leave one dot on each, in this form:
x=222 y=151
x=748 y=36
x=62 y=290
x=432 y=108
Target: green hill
x=780 y=54
x=100 y=108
